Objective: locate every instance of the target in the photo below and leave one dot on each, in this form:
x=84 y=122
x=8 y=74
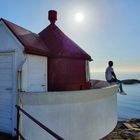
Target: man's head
x=110 y=63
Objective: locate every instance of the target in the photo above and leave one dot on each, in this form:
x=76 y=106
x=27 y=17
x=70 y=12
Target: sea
x=128 y=105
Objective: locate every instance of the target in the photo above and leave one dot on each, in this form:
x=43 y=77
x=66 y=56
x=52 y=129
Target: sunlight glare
x=79 y=17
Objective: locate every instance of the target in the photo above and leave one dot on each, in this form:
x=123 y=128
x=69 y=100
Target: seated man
x=111 y=77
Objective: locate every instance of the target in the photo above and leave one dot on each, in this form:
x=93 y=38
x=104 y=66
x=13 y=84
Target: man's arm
x=114 y=75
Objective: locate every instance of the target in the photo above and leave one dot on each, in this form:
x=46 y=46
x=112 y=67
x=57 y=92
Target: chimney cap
x=52 y=16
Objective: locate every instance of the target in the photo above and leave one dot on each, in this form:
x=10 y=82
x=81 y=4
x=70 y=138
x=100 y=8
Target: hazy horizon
x=109 y=29
x=118 y=70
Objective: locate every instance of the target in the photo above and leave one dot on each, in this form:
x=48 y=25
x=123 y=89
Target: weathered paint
x=34 y=74
x=74 y=115
x=66 y=74
x=10 y=47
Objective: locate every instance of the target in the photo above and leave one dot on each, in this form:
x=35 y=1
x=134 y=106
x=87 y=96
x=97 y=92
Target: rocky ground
x=130 y=81
x=125 y=130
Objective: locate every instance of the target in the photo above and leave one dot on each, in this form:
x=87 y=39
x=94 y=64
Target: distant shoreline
x=130 y=81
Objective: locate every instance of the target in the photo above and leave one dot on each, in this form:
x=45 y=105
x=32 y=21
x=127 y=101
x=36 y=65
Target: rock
x=99 y=84
x=122 y=132
x=137 y=137
x=130 y=81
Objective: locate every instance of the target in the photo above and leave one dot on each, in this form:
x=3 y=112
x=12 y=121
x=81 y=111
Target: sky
x=110 y=29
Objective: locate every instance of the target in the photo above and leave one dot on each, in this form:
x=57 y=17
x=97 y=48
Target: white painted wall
x=10 y=45
x=34 y=74
x=74 y=115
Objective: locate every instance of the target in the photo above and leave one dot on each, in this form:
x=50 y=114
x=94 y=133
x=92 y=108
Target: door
x=6 y=90
x=34 y=74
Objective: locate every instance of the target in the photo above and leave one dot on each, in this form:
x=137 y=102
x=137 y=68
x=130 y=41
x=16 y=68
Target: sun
x=79 y=17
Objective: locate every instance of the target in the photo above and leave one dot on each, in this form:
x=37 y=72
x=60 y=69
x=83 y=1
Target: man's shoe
x=123 y=93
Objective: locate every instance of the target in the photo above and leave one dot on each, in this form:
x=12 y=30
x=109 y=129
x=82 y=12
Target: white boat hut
x=45 y=88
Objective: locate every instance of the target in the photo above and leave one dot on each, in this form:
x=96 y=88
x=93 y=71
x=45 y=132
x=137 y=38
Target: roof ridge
x=5 y=21
x=14 y=24
x=60 y=44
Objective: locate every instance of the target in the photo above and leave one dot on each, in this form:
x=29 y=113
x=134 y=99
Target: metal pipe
x=19 y=77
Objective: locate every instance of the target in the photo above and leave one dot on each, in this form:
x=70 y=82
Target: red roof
x=61 y=45
x=32 y=43
x=51 y=42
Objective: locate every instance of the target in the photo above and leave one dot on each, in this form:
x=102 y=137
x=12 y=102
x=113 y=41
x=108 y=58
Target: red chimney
x=52 y=16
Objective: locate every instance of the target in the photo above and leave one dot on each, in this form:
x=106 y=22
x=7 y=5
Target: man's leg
x=120 y=85
x=117 y=82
